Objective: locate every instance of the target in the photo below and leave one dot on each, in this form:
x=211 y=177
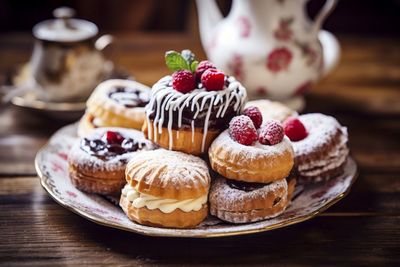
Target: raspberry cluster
x=243 y=129
x=188 y=72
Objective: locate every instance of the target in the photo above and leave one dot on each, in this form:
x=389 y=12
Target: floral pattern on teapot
x=269 y=45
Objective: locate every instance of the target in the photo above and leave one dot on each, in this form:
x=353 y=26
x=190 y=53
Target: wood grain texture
x=36 y=230
x=362 y=229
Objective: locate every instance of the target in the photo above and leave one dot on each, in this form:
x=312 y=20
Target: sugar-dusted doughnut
x=97 y=162
x=323 y=152
x=254 y=163
x=242 y=202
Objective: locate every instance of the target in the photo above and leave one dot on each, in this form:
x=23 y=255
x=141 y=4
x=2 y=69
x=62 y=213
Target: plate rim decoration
x=48 y=184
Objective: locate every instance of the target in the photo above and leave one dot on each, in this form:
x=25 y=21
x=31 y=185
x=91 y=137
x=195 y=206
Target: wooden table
x=363 y=229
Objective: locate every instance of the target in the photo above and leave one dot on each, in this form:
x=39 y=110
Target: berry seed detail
x=242 y=130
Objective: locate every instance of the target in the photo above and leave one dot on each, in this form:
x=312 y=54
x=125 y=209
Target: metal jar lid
x=64 y=28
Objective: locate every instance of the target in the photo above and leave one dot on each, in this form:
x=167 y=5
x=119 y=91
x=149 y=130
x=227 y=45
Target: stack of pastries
x=193 y=146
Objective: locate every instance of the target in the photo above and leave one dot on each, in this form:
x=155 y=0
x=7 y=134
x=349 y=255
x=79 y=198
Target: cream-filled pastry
x=166 y=189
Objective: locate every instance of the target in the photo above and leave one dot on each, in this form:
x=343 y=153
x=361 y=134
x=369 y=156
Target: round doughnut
x=189 y=122
x=241 y=202
x=323 y=153
x=98 y=166
x=115 y=103
x=256 y=163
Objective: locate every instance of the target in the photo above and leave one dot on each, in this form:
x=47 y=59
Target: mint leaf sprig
x=181 y=61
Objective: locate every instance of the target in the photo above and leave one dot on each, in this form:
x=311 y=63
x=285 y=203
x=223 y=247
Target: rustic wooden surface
x=363 y=229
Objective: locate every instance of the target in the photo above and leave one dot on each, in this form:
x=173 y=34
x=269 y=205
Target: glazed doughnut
x=189 y=122
x=241 y=202
x=166 y=189
x=97 y=164
x=323 y=153
x=115 y=103
x=256 y=163
x=272 y=110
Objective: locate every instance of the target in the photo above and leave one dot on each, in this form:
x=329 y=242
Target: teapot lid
x=64 y=28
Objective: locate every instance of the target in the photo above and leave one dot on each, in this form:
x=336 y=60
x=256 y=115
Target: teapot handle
x=326 y=10
x=330 y=51
x=103 y=41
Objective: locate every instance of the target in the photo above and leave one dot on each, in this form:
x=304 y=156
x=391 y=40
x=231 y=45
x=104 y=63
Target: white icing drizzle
x=140 y=200
x=164 y=98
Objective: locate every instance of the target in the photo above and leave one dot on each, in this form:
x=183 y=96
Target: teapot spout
x=209 y=16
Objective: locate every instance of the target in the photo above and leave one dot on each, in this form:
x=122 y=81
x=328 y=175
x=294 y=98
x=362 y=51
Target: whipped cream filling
x=140 y=200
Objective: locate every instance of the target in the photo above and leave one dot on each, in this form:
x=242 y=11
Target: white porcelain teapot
x=270 y=45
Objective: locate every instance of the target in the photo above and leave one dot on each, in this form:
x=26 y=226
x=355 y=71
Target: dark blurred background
x=361 y=17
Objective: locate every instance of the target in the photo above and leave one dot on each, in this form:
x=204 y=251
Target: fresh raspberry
x=202 y=67
x=294 y=129
x=213 y=80
x=113 y=137
x=242 y=130
x=183 y=81
x=271 y=133
x=255 y=115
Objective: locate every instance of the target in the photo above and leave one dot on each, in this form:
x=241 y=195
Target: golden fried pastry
x=242 y=202
x=183 y=140
x=253 y=163
x=166 y=189
x=272 y=110
x=97 y=162
x=115 y=103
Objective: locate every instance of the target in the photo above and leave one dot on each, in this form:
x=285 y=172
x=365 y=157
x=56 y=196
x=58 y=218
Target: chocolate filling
x=244 y=186
x=105 y=150
x=129 y=97
x=214 y=123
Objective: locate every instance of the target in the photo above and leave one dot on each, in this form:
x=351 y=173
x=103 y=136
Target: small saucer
x=60 y=110
x=67 y=111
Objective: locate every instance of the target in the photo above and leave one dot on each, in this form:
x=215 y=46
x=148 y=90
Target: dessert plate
x=52 y=168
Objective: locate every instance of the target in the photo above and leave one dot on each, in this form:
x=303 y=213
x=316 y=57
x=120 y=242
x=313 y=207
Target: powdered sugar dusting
x=313 y=199
x=254 y=151
x=95 y=164
x=323 y=132
x=225 y=197
x=165 y=168
x=321 y=129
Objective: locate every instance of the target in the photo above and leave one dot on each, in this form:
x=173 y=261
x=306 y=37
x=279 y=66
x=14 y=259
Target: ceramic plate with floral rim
x=52 y=167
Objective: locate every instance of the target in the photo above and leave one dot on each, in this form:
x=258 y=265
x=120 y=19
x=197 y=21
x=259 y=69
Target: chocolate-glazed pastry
x=115 y=103
x=97 y=162
x=189 y=122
